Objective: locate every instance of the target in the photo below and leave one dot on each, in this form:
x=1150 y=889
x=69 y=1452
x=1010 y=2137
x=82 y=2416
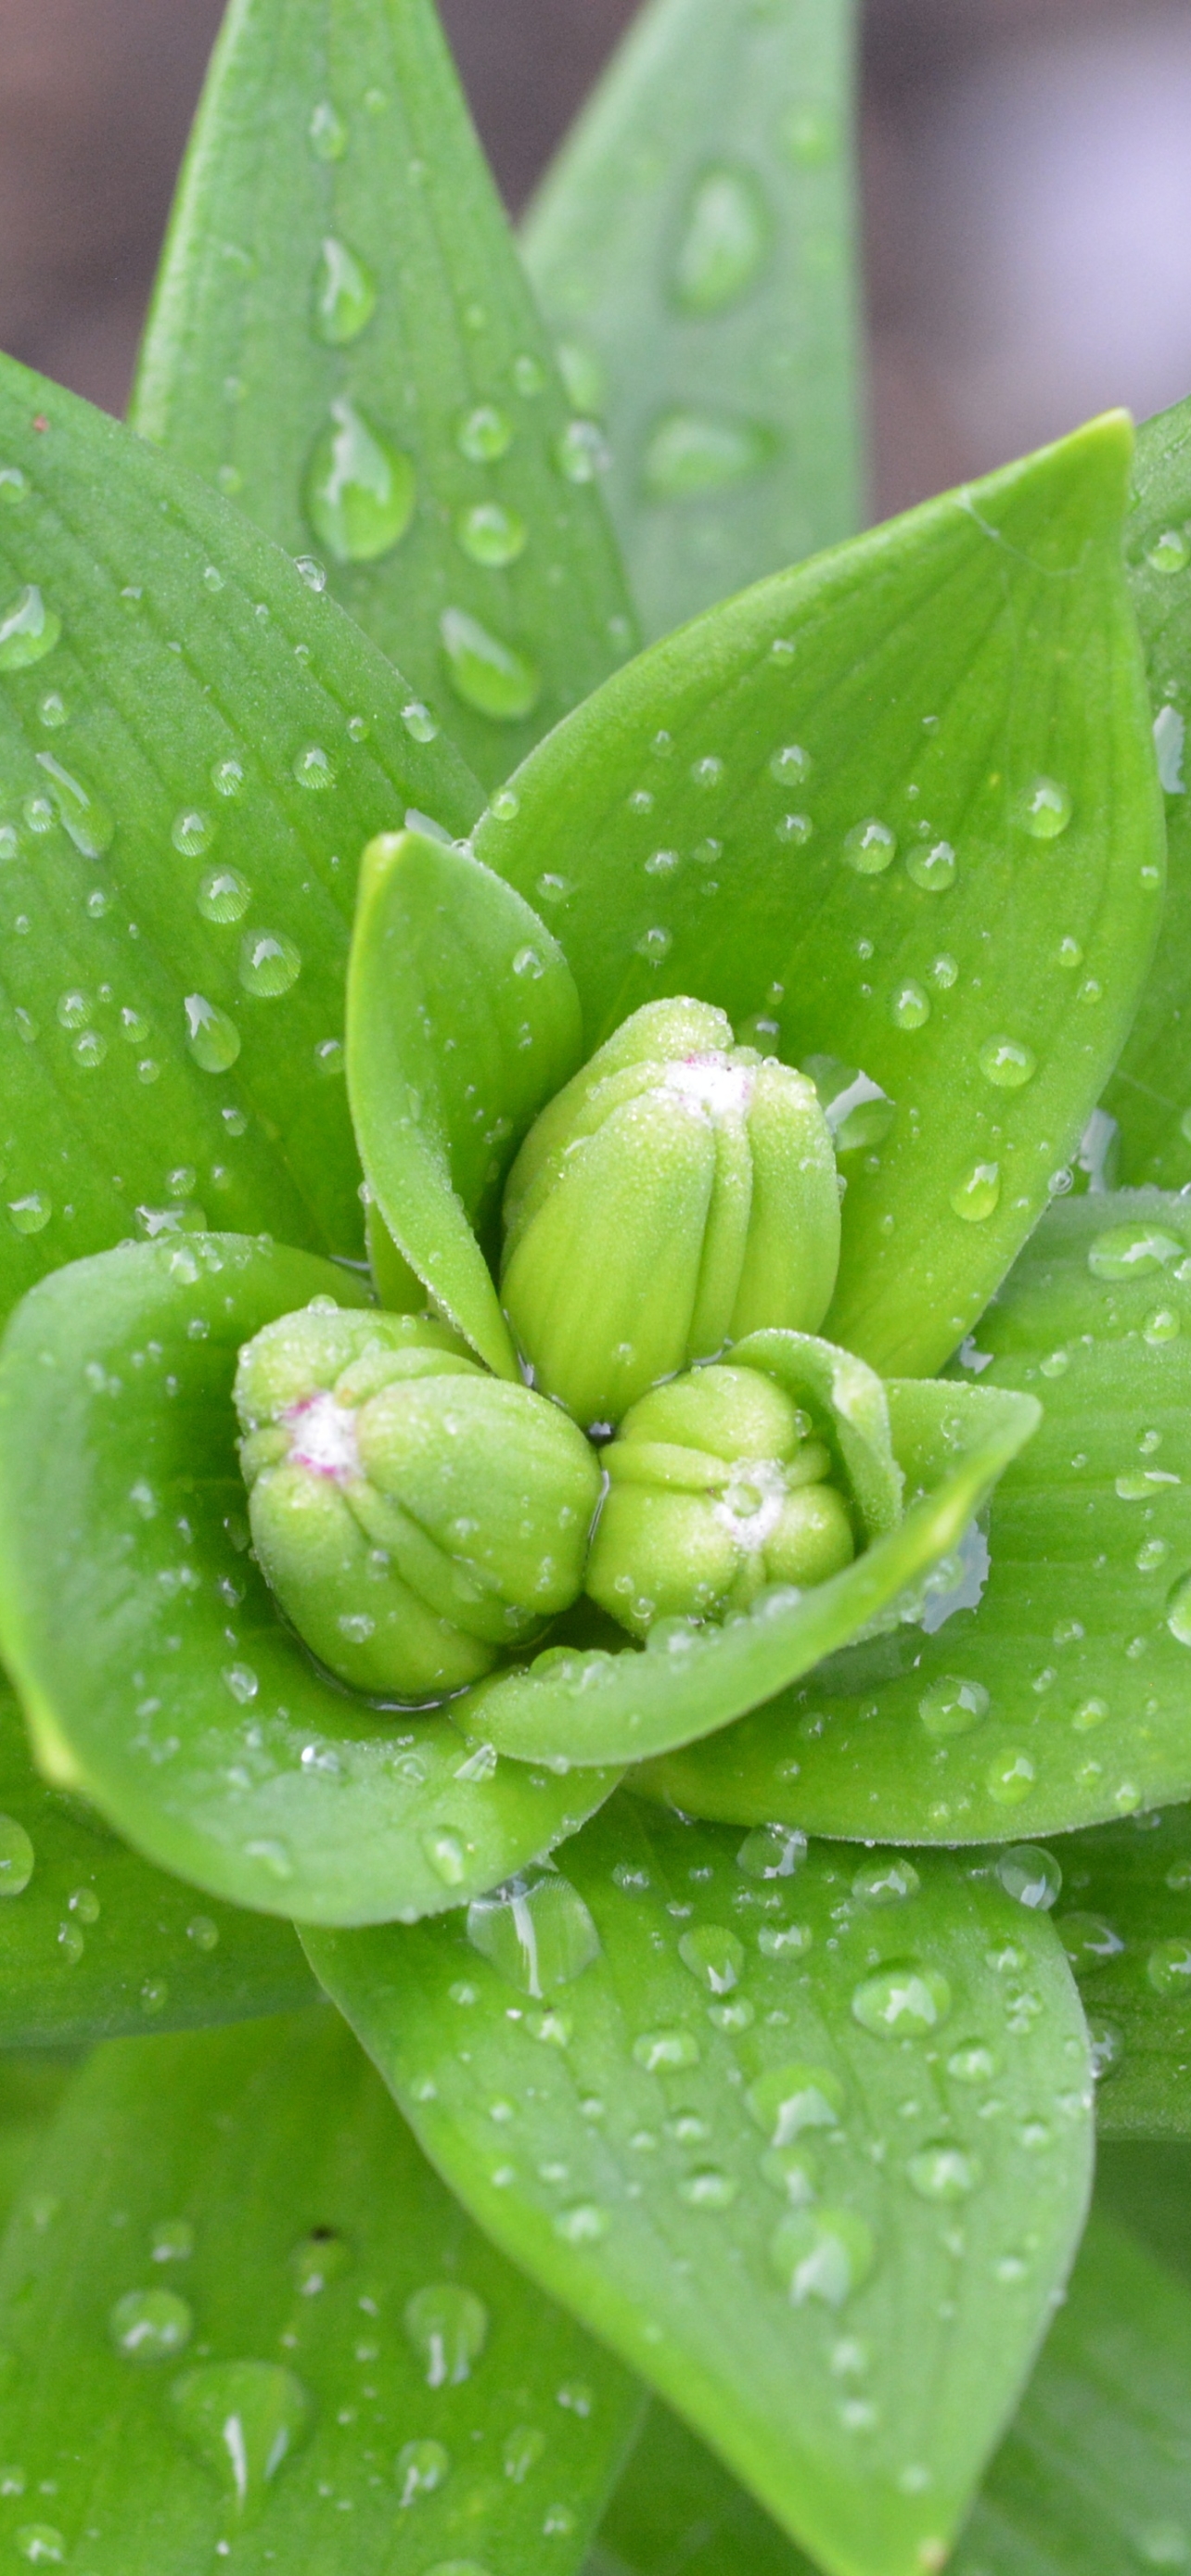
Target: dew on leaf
x=581 y=452
x=30 y=1214
x=487 y=674
x=1045 y=809
x=535 y=1931
x=972 y=2064
x=211 y=1037
x=714 y=1956
x=942 y=2172
x=41 y=2543
x=790 y=2099
x=689 y=454
x=491 y=534
x=1132 y=1251
x=932 y=869
x=784 y=1940
x=902 y=2000
x=17 y=1857
x=223 y=895
x=227 y=778
x=951 y=1705
x=1169 y=553
x=724 y=242
x=447 y=1854
x=660 y=2050
x=360 y=489
x=448 y=2327
x=708 y=2188
x=14 y=487
x=28 y=630
x=1089 y=1940
x=81 y=812
x=192 y=833
x=330 y=1059
x=314 y=769
x=84 y=1902
x=172 y=2240
x=870 y=848
x=343 y=298
x=1007 y=1063
x=484 y=434
x=1178 y=1612
x=327 y=133
x=150 y=2325
x=1169 y=1967
x=89 y=1050
x=792 y=2172
x=1011 y=1776
x=821 y=2254
x=1030 y=1875
x=243 y=2418
x=886 y=1882
x=772 y=1851
x=976 y=1195
x=420 y=2468
x=269 y=963
x=52 y=711
x=1162 y=1326
x=909 y=1005
x=318 y=2259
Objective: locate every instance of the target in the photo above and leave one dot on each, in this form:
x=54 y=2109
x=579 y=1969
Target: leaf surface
x=94 y=1943
x=575 y=1708
x=30 y=2088
x=445 y=951
x=693 y=244
x=1061 y=1699
x=721 y=2146
x=344 y=339
x=212 y=2278
x=1126 y=1918
x=186 y=778
x=155 y=1669
x=897 y=810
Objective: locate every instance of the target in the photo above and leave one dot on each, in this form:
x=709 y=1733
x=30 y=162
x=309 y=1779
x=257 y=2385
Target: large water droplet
x=1131 y=1251
x=902 y=2001
x=1011 y=1776
x=192 y=833
x=950 y=1705
x=269 y=963
x=447 y=2326
x=487 y=674
x=535 y=1930
x=327 y=132
x=821 y=2254
x=491 y=534
x=1169 y=553
x=724 y=242
x=1169 y=1967
x=17 y=1857
x=890 y=1881
x=1007 y=1063
x=419 y=2468
x=1089 y=1940
x=690 y=453
x=150 y=2325
x=656 y=2050
x=211 y=1038
x=909 y=1005
x=243 y=2418
x=223 y=895
x=79 y=810
x=1045 y=809
x=484 y=434
x=360 y=489
x=28 y=630
x=793 y=2098
x=870 y=848
x=976 y=1195
x=41 y=2543
x=344 y=295
x=31 y=1213
x=772 y=1851
x=933 y=869
x=943 y=2172
x=1030 y=1875
x=714 y=1956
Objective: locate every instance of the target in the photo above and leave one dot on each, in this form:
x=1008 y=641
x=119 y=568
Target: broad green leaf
x=693 y=245
x=1126 y=1920
x=186 y=777
x=93 y=1942
x=463 y=1021
x=1061 y=1700
x=1144 y=2183
x=156 y=1672
x=731 y=2109
x=30 y=2088
x=244 y=2323
x=678 y=2512
x=1150 y=1092
x=344 y=339
x=573 y=1707
x=897 y=809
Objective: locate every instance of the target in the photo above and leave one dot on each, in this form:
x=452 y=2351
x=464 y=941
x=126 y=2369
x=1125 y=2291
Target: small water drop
x=972 y=2064
x=950 y=1705
x=172 y=2240
x=491 y=534
x=1133 y=1250
x=30 y=1214
x=360 y=489
x=223 y=895
x=420 y=2468
x=269 y=963
x=690 y=454
x=1045 y=809
x=902 y=2000
x=1169 y=1967
x=17 y=1857
x=521 y=2450
x=1169 y=553
x=889 y=1881
x=1178 y=1612
x=581 y=452
x=791 y=2099
x=714 y=1956
x=1011 y=1777
x=1030 y=1875
x=447 y=1855
x=584 y=2223
x=932 y=869
x=658 y=2050
x=1089 y=1940
x=535 y=1930
x=227 y=778
x=80 y=811
x=821 y=2254
x=318 y=2259
x=492 y=677
x=244 y=2418
x=343 y=297
x=725 y=240
x=943 y=2172
x=447 y=2326
x=28 y=630
x=14 y=487
x=211 y=1038
x=772 y=1851
x=870 y=848
x=1007 y=1063
x=150 y=2325
x=52 y=711
x=192 y=833
x=909 y=1005
x=708 y=2188
x=976 y=1196
x=419 y=724
x=41 y=2543
x=327 y=133
x=484 y=434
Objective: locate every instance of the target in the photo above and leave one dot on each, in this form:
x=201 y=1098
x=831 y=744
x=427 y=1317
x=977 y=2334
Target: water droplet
x=1007 y=1063
x=1178 y=1612
x=484 y=434
x=192 y=834
x=223 y=895
x=30 y=1214
x=360 y=489
x=535 y=1930
x=951 y=1705
x=28 y=630
x=909 y=1006
x=889 y=1881
x=80 y=811
x=150 y=2325
x=821 y=2254
x=89 y=1050
x=1089 y=1940
x=977 y=1195
x=662 y=2049
x=52 y=711
x=419 y=724
x=314 y=769
x=1170 y=553
x=243 y=2418
x=1169 y=1967
x=419 y=2468
x=17 y=1857
x=447 y=1855
x=654 y=944
x=772 y=1851
x=1130 y=1251
x=972 y=2064
x=725 y=240
x=943 y=2173
x=269 y=963
x=327 y=133
x=790 y=2099
x=1165 y=2544
x=447 y=2326
x=870 y=848
x=485 y=673
x=583 y=2224
x=708 y=2188
x=84 y=1902
x=689 y=454
x=41 y=2543
x=227 y=778
x=14 y=487
x=344 y=295
x=1030 y=1875
x=581 y=452
x=172 y=2240
x=211 y=1038
x=714 y=1956
x=902 y=2001
x=318 y=2259
x=933 y=869
x=1162 y=1326
x=521 y=2450
x=491 y=534
x=1045 y=809
x=1011 y=1777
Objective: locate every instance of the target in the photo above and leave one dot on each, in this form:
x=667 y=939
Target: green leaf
x=156 y=1672
x=572 y=1707
x=753 y=2158
x=442 y=948
x=30 y=2088
x=234 y=2267
x=343 y=338
x=966 y=684
x=94 y=1943
x=677 y=2512
x=1061 y=1700
x=694 y=246
x=185 y=781
x=1151 y=1089
x=1126 y=1919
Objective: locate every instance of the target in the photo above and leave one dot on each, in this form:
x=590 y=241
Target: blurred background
x=1027 y=170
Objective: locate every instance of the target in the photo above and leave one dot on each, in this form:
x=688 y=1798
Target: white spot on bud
x=752 y=1504
x=711 y=1083
x=323 y=1437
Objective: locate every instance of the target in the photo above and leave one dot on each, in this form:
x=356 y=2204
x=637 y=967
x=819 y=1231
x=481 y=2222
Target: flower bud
x=717 y=1487
x=412 y=1514
x=679 y=1193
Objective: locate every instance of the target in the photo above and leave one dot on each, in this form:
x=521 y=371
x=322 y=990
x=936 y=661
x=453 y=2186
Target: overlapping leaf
x=154 y=1667
x=896 y=810
x=93 y=1942
x=1126 y=1921
x=187 y=775
x=243 y=2321
x=343 y=338
x=1061 y=1700
x=693 y=244
x=738 y=2113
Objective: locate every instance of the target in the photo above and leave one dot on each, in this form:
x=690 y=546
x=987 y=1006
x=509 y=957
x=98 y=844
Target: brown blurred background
x=1027 y=179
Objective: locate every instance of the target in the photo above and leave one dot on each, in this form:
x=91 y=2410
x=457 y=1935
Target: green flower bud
x=679 y=1193
x=412 y=1514
x=717 y=1487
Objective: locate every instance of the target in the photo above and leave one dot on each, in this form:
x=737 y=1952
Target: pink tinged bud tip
x=323 y=1437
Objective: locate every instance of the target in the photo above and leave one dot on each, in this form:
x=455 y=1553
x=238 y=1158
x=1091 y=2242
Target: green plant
x=794 y=2135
